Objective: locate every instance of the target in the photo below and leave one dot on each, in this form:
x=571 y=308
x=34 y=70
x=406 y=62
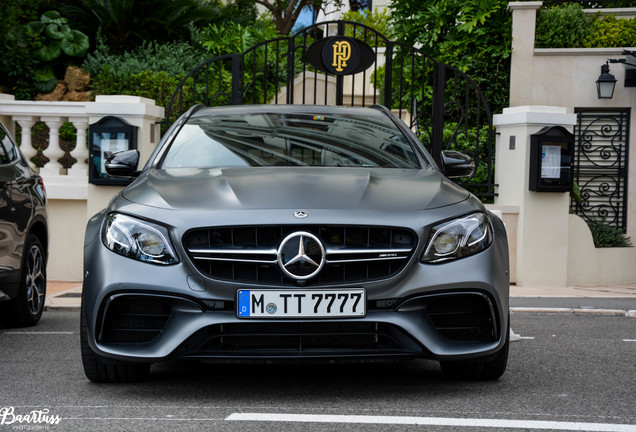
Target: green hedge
x=567 y=26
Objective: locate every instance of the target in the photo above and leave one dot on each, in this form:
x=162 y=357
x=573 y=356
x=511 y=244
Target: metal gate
x=600 y=165
x=441 y=104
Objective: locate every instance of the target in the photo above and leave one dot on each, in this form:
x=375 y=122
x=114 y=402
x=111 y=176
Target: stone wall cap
x=525 y=5
x=535 y=115
x=536 y=108
x=119 y=99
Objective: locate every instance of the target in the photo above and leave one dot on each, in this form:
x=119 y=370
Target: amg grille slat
x=249 y=253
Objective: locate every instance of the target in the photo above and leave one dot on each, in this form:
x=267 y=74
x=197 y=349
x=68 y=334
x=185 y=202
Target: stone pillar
x=524 y=18
x=542 y=232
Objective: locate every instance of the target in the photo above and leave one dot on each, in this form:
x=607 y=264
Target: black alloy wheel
x=26 y=309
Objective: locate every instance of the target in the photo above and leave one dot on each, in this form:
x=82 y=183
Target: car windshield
x=368 y=139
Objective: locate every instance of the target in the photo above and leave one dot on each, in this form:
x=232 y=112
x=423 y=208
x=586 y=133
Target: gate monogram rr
x=442 y=105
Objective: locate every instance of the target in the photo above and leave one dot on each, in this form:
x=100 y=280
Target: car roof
x=291 y=109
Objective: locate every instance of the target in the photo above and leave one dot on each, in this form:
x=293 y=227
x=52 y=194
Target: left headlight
x=137 y=239
x=458 y=238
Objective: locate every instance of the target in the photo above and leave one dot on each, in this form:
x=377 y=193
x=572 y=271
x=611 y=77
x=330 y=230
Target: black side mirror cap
x=123 y=164
x=456 y=164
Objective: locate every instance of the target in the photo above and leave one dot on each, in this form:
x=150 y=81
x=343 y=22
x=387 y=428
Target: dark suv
x=23 y=237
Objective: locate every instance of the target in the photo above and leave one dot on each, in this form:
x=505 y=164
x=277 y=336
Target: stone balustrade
x=72 y=183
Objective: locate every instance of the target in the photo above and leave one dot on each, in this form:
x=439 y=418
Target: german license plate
x=301 y=304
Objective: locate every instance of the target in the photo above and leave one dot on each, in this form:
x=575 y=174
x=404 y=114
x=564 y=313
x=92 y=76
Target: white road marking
x=434 y=421
x=629 y=340
x=170 y=419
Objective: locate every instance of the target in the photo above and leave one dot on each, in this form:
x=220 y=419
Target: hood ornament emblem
x=301 y=214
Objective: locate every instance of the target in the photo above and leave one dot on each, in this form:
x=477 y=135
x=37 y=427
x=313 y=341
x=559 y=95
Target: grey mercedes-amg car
x=293 y=232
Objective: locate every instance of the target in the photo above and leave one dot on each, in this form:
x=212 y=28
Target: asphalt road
x=568 y=372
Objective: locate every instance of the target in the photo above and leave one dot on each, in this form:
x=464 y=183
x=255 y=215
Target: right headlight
x=137 y=239
x=458 y=238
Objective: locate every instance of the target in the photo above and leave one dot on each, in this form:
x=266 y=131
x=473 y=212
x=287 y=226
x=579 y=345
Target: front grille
x=248 y=254
x=134 y=319
x=297 y=339
x=463 y=317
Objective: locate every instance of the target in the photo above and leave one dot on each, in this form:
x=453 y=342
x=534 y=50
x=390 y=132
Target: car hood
x=294 y=188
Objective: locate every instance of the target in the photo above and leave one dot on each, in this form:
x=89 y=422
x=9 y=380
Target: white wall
x=557 y=248
x=566 y=77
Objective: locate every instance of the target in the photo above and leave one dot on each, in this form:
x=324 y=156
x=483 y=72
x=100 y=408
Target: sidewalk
x=611 y=300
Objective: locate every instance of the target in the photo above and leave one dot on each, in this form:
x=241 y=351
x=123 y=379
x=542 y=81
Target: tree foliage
x=286 y=12
x=473 y=35
x=125 y=24
x=16 y=68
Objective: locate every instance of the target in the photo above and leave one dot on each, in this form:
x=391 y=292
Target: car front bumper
x=452 y=311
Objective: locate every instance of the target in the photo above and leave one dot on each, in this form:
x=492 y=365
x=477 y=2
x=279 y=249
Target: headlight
x=458 y=238
x=140 y=240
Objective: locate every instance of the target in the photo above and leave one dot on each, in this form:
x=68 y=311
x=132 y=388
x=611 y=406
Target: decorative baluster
x=80 y=153
x=53 y=151
x=26 y=123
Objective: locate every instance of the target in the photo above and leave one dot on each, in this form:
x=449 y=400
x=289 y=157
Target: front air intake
x=463 y=317
x=131 y=319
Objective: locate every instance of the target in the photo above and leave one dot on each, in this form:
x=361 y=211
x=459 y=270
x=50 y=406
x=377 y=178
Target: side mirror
x=123 y=164
x=457 y=164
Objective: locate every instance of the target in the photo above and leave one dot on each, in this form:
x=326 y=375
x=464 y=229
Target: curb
x=574 y=311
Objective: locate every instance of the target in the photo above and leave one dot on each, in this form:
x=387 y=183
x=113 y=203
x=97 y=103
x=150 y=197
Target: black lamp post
x=605 y=83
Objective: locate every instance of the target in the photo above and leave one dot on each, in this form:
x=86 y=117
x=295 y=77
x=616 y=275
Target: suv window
x=8 y=151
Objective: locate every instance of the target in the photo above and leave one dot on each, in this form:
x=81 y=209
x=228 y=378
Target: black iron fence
x=601 y=165
x=440 y=103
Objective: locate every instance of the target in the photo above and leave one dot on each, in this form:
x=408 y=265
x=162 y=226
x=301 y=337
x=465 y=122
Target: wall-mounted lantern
x=605 y=83
x=108 y=136
x=551 y=155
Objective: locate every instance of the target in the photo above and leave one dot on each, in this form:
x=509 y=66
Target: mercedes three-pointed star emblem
x=301 y=255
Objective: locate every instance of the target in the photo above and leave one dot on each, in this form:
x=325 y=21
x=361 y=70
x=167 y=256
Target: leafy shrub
x=174 y=58
x=153 y=70
x=569 y=27
x=562 y=27
x=58 y=41
x=149 y=84
x=232 y=38
x=610 y=31
x=608 y=236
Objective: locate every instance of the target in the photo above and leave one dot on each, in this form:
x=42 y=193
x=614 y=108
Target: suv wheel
x=26 y=309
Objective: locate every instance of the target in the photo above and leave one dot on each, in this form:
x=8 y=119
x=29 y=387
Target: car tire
x=101 y=369
x=26 y=309
x=490 y=368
